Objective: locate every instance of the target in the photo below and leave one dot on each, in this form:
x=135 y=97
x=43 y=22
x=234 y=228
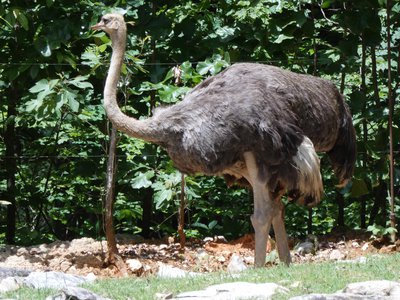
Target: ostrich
x=253 y=124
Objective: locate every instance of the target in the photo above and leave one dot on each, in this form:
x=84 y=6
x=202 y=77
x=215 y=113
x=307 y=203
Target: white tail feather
x=307 y=164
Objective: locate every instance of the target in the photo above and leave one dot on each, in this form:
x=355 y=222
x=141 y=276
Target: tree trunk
x=391 y=108
x=364 y=126
x=113 y=256
x=11 y=163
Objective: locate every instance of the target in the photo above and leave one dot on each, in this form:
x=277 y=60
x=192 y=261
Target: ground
x=85 y=255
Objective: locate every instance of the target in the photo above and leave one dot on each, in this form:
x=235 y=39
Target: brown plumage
x=255 y=124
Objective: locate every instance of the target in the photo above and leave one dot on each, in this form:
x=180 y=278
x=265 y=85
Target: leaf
x=162 y=196
x=80 y=82
x=204 y=67
x=39 y=86
x=212 y=224
x=142 y=180
x=22 y=19
x=200 y=225
x=225 y=33
x=282 y=38
x=46 y=50
x=90 y=59
x=72 y=102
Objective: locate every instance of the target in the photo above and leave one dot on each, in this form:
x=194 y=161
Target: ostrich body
x=255 y=124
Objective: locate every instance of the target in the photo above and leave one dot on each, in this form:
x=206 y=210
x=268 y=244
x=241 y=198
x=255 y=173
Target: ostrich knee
x=261 y=223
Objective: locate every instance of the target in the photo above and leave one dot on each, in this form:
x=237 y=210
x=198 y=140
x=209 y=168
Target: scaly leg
x=262 y=216
x=280 y=232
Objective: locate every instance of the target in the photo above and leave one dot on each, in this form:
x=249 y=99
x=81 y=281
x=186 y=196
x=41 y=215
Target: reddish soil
x=85 y=255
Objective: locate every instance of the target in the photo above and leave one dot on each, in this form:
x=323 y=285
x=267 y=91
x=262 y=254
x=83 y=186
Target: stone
x=336 y=296
x=134 y=265
x=336 y=255
x=235 y=291
x=249 y=260
x=22 y=251
x=305 y=248
x=9 y=284
x=53 y=280
x=166 y=271
x=12 y=272
x=76 y=293
x=207 y=239
x=365 y=247
x=375 y=288
x=163 y=296
x=367 y=290
x=221 y=259
x=236 y=264
x=359 y=260
x=91 y=277
x=220 y=239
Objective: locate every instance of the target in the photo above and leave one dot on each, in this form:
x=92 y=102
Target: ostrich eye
x=105 y=21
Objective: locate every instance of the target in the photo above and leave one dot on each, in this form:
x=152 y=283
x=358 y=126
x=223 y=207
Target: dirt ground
x=143 y=257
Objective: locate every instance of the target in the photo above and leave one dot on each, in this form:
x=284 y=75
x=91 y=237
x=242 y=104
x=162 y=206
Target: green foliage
x=379 y=231
x=53 y=66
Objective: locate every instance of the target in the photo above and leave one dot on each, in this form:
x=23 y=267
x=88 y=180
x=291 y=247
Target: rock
x=91 y=277
x=375 y=288
x=9 y=284
x=235 y=291
x=76 y=293
x=249 y=260
x=221 y=259
x=54 y=280
x=11 y=272
x=165 y=271
x=365 y=247
x=305 y=248
x=134 y=265
x=236 y=264
x=163 y=247
x=368 y=290
x=359 y=260
x=207 y=239
x=220 y=239
x=163 y=296
x=336 y=255
x=22 y=251
x=65 y=265
x=336 y=296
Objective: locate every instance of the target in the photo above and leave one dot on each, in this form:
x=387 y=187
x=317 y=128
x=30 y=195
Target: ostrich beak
x=98 y=26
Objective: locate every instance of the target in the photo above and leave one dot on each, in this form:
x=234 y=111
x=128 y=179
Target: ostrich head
x=111 y=23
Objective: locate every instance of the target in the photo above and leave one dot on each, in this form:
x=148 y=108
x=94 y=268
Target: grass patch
x=325 y=277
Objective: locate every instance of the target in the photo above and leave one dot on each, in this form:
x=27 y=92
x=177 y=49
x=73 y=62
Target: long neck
x=142 y=129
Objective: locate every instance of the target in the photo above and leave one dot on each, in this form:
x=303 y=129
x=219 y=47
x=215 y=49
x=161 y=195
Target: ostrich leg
x=280 y=232
x=263 y=210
